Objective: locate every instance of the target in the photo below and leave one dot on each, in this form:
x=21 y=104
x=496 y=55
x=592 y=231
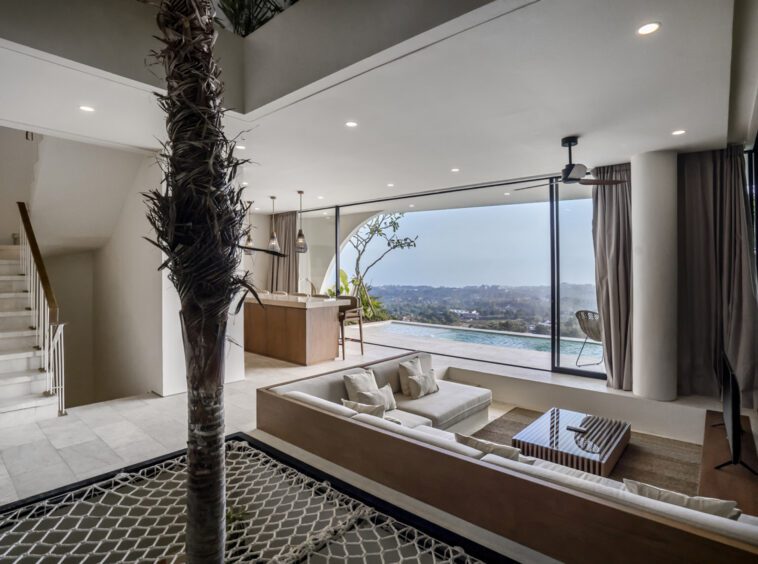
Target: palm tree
x=199 y=220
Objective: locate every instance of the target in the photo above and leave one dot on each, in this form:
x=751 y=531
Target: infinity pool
x=493 y=338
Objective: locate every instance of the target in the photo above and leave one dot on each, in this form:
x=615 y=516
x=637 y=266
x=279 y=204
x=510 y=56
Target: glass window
x=464 y=273
x=578 y=322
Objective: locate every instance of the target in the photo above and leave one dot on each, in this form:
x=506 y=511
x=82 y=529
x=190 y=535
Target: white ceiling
x=493 y=100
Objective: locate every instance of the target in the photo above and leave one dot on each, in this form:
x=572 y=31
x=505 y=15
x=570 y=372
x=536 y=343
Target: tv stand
x=730 y=463
x=717 y=479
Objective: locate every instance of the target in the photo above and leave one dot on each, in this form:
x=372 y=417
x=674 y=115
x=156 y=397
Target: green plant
x=199 y=221
x=380 y=229
x=245 y=16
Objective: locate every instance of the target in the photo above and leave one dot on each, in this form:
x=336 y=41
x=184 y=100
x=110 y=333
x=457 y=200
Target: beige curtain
x=284 y=270
x=612 y=237
x=718 y=309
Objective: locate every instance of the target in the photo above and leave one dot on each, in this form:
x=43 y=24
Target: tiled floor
x=101 y=437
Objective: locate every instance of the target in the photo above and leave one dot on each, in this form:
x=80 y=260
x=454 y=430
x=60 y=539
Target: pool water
x=493 y=338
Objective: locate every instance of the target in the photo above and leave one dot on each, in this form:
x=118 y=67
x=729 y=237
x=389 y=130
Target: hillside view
x=522 y=309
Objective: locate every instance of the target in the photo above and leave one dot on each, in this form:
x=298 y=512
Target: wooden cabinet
x=301 y=335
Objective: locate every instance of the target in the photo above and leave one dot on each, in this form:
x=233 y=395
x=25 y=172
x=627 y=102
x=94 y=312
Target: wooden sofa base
x=550 y=519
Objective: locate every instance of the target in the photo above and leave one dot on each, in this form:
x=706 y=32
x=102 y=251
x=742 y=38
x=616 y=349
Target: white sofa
x=430 y=422
x=456 y=407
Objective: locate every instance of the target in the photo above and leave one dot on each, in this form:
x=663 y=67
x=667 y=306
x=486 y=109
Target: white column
x=654 y=275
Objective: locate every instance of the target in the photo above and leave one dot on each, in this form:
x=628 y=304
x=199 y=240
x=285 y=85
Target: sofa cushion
x=422 y=384
x=720 y=507
x=377 y=410
x=327 y=386
x=386 y=372
x=567 y=471
x=418 y=435
x=452 y=403
x=360 y=382
x=382 y=396
x=488 y=447
x=326 y=405
x=439 y=433
x=408 y=419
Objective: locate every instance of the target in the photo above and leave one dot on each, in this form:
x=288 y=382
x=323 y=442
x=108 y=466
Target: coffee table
x=557 y=436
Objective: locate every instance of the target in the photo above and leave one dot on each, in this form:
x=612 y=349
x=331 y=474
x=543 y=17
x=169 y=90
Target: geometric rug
x=666 y=463
x=275 y=513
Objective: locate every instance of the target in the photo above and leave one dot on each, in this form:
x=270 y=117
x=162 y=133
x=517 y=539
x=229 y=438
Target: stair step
x=21 y=377
x=27 y=401
x=16 y=313
x=14 y=295
x=11 y=277
x=19 y=353
x=18 y=334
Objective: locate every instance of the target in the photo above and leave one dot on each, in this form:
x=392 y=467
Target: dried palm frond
x=199 y=221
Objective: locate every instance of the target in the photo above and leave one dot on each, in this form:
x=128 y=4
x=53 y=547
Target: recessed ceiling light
x=507 y=194
x=411 y=205
x=87 y=108
x=325 y=213
x=319 y=197
x=390 y=185
x=241 y=147
x=243 y=184
x=351 y=124
x=256 y=209
x=649 y=28
x=455 y=170
x=678 y=132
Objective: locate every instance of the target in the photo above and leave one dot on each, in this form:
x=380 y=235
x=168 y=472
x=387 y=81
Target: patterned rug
x=666 y=463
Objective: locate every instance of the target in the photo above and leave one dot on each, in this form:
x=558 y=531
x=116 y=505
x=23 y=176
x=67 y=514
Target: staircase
x=31 y=343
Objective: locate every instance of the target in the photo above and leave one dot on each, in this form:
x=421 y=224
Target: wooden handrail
x=52 y=303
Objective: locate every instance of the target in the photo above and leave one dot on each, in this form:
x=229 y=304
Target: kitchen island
x=301 y=330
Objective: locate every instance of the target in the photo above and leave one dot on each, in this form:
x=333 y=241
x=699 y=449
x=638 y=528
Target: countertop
x=300 y=302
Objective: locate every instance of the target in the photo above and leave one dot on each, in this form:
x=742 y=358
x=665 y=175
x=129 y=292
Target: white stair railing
x=47 y=326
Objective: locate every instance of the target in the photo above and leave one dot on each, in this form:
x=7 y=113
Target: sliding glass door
x=577 y=341
x=462 y=273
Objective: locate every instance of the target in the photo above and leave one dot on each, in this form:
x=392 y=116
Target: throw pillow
x=719 y=507
x=407 y=369
x=360 y=382
x=376 y=410
x=382 y=396
x=422 y=384
x=488 y=447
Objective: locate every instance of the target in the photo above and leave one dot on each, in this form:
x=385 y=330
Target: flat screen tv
x=731 y=403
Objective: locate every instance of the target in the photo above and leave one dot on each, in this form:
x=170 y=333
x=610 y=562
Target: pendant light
x=300 y=245
x=249 y=238
x=273 y=242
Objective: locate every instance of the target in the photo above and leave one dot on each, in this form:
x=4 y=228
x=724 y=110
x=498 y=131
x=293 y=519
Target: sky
x=505 y=245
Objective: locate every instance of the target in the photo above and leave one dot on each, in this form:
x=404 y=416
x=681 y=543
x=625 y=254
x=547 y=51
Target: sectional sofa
x=350 y=439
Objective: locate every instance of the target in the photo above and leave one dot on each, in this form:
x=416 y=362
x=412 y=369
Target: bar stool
x=350 y=312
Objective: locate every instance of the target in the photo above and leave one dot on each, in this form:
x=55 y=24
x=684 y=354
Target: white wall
x=138 y=340
x=78 y=193
x=72 y=279
x=17 y=159
x=128 y=300
x=174 y=372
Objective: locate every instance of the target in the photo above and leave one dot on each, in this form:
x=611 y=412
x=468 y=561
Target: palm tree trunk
x=199 y=220
x=206 y=488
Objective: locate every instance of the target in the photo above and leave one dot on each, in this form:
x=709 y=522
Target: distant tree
x=380 y=229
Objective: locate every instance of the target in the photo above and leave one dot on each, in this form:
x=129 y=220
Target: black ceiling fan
x=574 y=173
